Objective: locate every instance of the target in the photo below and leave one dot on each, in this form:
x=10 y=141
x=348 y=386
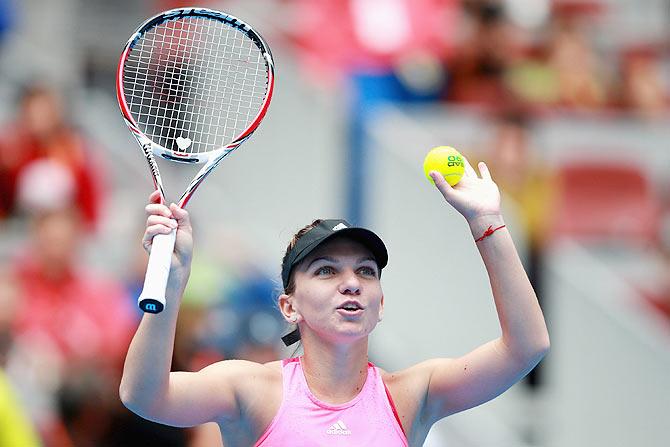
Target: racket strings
x=195 y=84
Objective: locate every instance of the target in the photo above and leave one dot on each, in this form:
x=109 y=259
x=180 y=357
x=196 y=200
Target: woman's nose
x=350 y=284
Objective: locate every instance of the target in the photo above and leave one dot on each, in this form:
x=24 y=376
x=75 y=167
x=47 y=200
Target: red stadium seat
x=606 y=202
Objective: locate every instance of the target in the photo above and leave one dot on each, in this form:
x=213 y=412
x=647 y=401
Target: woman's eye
x=326 y=270
x=368 y=271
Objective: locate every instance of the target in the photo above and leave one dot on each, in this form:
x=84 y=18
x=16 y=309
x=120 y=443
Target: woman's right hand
x=162 y=219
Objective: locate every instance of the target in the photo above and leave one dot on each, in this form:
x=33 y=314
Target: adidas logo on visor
x=338 y=428
x=339 y=226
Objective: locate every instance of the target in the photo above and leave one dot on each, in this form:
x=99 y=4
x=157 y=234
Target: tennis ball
x=447 y=161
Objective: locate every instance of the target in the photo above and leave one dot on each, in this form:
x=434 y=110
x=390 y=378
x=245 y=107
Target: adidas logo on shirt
x=338 y=429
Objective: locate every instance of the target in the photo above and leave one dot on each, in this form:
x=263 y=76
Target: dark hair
x=487 y=12
x=290 y=288
x=34 y=89
x=294 y=336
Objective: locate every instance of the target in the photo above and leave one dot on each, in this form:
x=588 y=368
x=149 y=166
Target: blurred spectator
x=528 y=188
x=580 y=73
x=15 y=428
x=524 y=178
x=229 y=306
x=488 y=50
x=562 y=68
x=41 y=131
x=642 y=89
x=52 y=283
x=250 y=318
x=69 y=327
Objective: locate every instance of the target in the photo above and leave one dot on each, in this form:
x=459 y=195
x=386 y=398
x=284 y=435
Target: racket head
x=193 y=83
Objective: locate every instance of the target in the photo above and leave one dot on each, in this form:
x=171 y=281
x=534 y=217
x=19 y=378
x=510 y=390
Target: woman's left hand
x=473 y=196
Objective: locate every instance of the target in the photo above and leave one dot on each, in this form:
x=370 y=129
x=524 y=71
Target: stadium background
x=566 y=99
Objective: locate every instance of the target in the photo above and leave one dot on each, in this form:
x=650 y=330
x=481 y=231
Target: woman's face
x=337 y=291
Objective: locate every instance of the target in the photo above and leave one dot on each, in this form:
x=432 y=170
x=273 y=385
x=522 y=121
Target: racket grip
x=152 y=298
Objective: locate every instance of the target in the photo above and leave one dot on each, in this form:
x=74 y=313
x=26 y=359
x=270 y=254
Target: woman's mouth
x=350 y=308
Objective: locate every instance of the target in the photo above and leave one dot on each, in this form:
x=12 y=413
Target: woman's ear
x=289 y=312
x=381 y=310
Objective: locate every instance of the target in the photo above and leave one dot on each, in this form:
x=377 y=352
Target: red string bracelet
x=489 y=231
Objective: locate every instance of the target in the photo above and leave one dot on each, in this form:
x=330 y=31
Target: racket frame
x=152 y=298
x=210 y=159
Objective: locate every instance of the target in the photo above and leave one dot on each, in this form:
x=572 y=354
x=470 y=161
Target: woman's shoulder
x=245 y=371
x=273 y=367
x=257 y=389
x=419 y=372
x=408 y=383
x=408 y=389
x=414 y=380
x=248 y=379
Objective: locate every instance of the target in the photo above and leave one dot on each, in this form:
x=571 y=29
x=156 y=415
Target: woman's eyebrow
x=334 y=261
x=322 y=258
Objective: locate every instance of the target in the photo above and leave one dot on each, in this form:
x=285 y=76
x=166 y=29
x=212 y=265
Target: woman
x=332 y=395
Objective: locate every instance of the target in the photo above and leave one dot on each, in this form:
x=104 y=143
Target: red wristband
x=489 y=231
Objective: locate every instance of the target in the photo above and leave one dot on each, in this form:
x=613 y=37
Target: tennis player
x=332 y=395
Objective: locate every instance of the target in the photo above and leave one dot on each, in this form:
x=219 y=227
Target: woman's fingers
x=162 y=219
x=155 y=219
x=182 y=218
x=469 y=171
x=484 y=171
x=153 y=230
x=159 y=221
x=157 y=209
x=155 y=197
x=442 y=185
x=180 y=214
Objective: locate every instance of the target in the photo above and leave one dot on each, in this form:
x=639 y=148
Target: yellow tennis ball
x=447 y=161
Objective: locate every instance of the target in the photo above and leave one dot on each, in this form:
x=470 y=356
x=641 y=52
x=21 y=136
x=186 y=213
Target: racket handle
x=152 y=298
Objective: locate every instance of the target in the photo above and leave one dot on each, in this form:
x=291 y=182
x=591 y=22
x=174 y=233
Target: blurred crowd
x=513 y=63
x=64 y=327
x=541 y=57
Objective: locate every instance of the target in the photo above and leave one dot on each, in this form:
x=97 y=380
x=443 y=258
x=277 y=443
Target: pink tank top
x=369 y=419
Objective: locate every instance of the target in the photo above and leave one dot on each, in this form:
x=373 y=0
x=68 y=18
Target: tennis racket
x=192 y=84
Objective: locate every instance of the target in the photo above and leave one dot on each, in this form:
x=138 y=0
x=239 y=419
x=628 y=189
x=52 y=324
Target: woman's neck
x=335 y=373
